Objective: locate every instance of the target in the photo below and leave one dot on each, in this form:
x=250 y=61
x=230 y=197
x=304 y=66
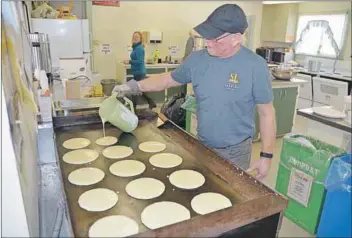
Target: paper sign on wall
x=173 y=49
x=106 y=48
x=107 y=3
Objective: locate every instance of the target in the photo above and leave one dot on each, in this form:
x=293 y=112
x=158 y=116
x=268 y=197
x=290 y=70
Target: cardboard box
x=304 y=163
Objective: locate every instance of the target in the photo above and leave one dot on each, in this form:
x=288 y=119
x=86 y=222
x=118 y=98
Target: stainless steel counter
x=336 y=123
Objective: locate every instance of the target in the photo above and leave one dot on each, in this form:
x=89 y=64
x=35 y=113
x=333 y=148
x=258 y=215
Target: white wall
x=115 y=25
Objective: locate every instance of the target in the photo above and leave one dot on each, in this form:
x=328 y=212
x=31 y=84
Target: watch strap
x=266 y=155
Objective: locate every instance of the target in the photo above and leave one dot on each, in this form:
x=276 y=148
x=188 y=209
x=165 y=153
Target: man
x=189 y=45
x=228 y=81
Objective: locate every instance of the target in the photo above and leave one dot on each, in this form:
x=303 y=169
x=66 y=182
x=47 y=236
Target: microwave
x=281 y=57
x=266 y=53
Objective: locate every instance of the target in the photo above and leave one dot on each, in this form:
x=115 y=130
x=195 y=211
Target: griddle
x=251 y=199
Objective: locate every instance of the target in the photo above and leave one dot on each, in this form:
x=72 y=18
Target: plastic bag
x=339 y=175
x=190 y=104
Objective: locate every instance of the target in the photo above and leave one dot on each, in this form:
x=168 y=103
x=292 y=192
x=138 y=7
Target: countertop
x=336 y=123
x=344 y=76
x=324 y=72
x=161 y=65
x=292 y=83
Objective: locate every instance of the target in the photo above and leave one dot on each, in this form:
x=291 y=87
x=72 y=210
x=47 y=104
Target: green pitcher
x=113 y=111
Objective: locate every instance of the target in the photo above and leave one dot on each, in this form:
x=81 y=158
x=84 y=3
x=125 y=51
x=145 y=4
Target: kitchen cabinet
x=279 y=22
x=285 y=108
x=285 y=105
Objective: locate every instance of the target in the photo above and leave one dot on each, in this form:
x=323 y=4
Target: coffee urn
x=41 y=58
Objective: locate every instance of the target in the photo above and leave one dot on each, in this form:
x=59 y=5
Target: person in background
x=137 y=63
x=189 y=45
x=229 y=82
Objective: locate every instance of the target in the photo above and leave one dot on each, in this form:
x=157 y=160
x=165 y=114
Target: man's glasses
x=221 y=37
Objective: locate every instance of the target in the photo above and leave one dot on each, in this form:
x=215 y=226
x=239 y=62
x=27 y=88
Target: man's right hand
x=128 y=89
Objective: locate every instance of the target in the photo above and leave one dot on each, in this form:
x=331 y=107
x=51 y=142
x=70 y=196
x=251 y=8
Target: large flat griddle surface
x=128 y=206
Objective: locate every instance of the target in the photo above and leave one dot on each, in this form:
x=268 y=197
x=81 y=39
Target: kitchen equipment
x=41 y=57
x=73 y=67
x=108 y=86
x=254 y=204
x=265 y=52
x=284 y=73
x=305 y=97
x=314 y=66
x=68 y=38
x=330 y=92
x=113 y=111
x=329 y=112
x=281 y=57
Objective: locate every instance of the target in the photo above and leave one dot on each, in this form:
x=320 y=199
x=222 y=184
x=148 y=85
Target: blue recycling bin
x=336 y=215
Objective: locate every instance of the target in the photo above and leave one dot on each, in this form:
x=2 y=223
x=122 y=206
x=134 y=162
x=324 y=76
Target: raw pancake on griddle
x=76 y=143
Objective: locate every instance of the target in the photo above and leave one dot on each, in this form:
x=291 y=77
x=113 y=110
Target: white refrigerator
x=70 y=45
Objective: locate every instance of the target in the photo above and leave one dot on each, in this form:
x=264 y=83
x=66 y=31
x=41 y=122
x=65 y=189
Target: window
x=321 y=35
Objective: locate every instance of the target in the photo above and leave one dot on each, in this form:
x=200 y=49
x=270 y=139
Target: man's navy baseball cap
x=228 y=18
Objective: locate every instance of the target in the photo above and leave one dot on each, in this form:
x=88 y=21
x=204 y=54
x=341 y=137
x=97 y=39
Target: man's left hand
x=126 y=61
x=261 y=167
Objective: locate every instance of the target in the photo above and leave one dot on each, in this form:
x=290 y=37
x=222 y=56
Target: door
x=285 y=105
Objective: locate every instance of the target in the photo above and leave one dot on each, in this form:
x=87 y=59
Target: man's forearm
x=157 y=82
x=267 y=124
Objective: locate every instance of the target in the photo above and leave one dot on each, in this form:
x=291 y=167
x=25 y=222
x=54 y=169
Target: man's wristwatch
x=266 y=155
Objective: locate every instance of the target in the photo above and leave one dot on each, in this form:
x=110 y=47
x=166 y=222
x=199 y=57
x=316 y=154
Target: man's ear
x=237 y=39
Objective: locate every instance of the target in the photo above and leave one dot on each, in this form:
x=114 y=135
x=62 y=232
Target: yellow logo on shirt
x=233 y=82
x=234 y=78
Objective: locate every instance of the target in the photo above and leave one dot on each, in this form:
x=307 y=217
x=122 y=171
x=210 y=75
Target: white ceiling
x=278 y=2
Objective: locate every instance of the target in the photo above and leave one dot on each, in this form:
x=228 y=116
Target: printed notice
x=300 y=186
x=194 y=124
x=106 y=48
x=173 y=49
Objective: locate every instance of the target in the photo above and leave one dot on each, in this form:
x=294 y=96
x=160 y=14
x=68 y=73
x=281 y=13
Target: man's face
x=224 y=44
